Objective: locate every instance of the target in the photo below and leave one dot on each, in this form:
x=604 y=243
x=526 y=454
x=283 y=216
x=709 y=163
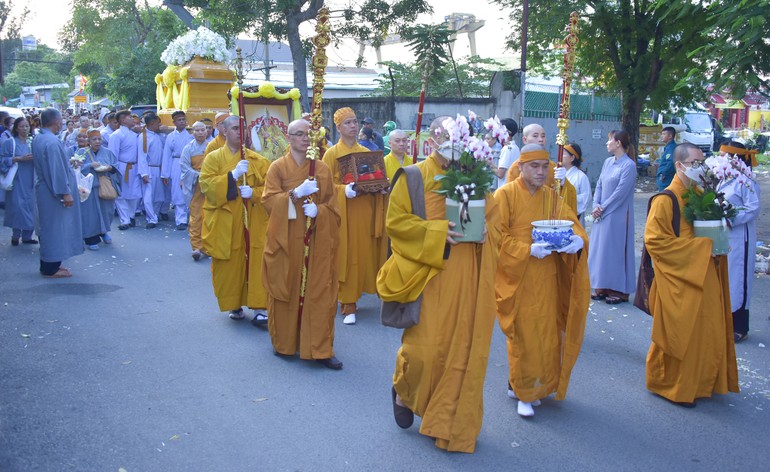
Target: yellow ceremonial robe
x=222 y=232
x=392 y=164
x=196 y=207
x=363 y=243
x=215 y=144
x=568 y=191
x=282 y=264
x=442 y=362
x=692 y=354
x=541 y=303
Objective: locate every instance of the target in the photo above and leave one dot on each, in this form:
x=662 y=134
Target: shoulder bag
x=6 y=180
x=106 y=189
x=406 y=315
x=646 y=272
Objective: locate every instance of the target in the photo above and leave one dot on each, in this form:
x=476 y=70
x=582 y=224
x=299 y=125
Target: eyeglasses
x=298 y=134
x=695 y=164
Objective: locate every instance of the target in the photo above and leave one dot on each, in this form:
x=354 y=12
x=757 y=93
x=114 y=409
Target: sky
x=47 y=17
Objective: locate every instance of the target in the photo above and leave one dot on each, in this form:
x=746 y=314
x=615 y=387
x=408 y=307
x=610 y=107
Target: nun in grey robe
x=59 y=226
x=20 y=201
x=97 y=213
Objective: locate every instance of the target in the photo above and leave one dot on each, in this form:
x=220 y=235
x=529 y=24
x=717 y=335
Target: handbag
x=106 y=189
x=646 y=272
x=6 y=180
x=396 y=314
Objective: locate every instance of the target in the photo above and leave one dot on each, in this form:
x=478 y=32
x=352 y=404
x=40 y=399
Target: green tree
x=43 y=66
x=366 y=21
x=637 y=47
x=474 y=72
x=9 y=36
x=117 y=44
x=737 y=56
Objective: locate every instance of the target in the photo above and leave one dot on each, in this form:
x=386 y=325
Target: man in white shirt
x=171 y=171
x=510 y=152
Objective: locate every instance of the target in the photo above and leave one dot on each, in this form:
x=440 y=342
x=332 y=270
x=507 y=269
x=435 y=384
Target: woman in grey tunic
x=19 y=202
x=96 y=213
x=611 y=258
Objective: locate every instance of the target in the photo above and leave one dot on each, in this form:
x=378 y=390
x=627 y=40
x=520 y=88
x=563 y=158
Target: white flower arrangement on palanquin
x=201 y=42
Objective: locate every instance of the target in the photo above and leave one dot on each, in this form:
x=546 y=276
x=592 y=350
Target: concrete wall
x=590 y=135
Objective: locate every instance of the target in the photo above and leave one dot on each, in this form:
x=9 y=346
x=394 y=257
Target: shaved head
x=298 y=125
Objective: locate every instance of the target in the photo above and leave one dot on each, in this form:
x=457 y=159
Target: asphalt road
x=129 y=364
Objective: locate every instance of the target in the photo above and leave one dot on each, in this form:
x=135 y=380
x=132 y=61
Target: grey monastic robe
x=19 y=202
x=60 y=230
x=96 y=214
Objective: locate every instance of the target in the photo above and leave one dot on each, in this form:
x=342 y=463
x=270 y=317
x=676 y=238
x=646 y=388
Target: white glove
x=246 y=191
x=560 y=174
x=308 y=187
x=311 y=209
x=576 y=244
x=349 y=192
x=539 y=251
x=240 y=169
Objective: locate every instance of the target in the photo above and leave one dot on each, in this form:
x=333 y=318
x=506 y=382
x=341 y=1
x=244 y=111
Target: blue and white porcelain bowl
x=553 y=234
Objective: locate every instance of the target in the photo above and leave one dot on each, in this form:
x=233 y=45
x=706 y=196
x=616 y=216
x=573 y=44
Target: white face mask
x=694 y=174
x=450 y=152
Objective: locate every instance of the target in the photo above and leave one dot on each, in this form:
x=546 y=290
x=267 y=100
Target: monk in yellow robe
x=535 y=134
x=222 y=176
x=692 y=354
x=190 y=164
x=442 y=362
x=397 y=157
x=286 y=200
x=219 y=141
x=542 y=293
x=363 y=242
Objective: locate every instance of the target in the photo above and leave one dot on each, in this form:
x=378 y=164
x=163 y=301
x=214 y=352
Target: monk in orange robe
x=363 y=242
x=542 y=293
x=286 y=200
x=692 y=354
x=219 y=141
x=535 y=134
x=222 y=176
x=442 y=362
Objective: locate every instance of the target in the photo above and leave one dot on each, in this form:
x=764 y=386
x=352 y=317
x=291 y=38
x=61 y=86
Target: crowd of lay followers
x=315 y=242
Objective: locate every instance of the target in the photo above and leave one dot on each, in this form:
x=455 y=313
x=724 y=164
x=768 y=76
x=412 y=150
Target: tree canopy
x=117 y=44
x=639 y=48
x=737 y=56
x=368 y=21
x=475 y=74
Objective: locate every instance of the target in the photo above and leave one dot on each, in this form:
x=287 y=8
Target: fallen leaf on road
x=24 y=335
x=176 y=436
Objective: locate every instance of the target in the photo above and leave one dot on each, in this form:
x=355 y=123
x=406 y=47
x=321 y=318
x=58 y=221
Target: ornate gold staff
x=320 y=60
x=570 y=54
x=242 y=126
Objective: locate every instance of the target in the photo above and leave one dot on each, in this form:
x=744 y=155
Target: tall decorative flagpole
x=320 y=60
x=427 y=69
x=571 y=41
x=242 y=129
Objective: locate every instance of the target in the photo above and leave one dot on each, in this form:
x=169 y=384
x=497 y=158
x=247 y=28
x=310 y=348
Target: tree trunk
x=632 y=112
x=295 y=17
x=298 y=58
